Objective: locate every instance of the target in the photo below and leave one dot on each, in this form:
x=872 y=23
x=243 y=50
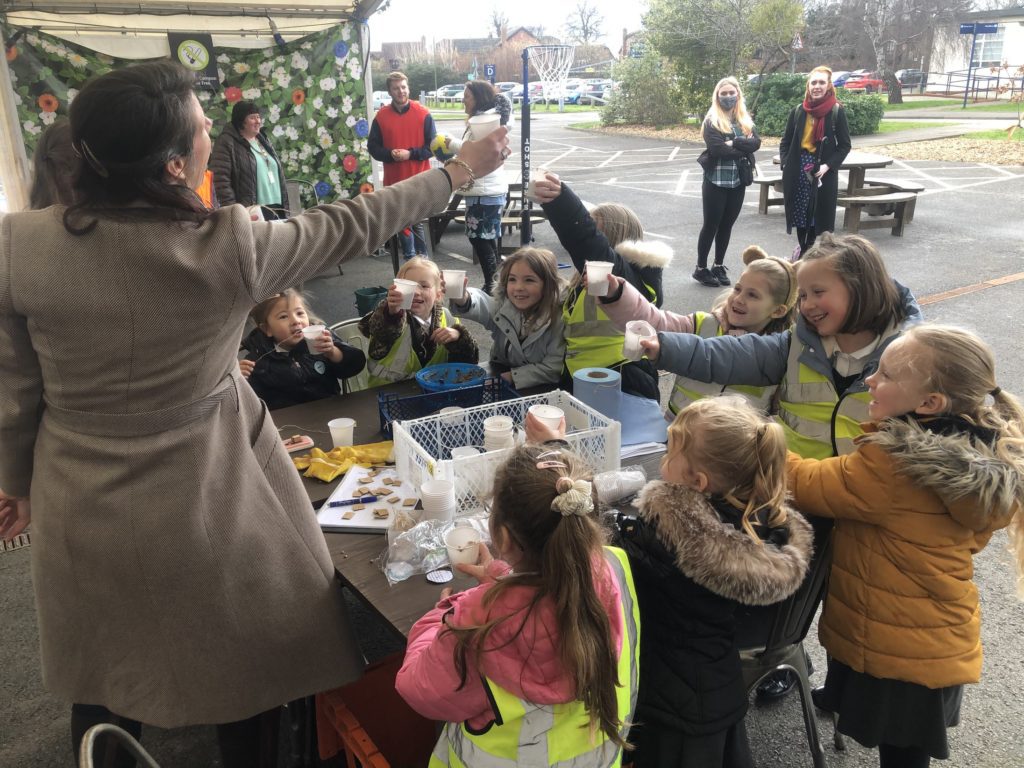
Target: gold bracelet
x=462 y=164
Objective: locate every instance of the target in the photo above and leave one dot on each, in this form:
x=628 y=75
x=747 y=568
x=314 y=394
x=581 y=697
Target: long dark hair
x=126 y=125
x=483 y=95
x=54 y=165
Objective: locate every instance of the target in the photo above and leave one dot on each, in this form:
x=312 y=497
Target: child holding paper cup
x=524 y=318
x=762 y=301
x=409 y=334
x=487 y=110
x=286 y=362
x=609 y=233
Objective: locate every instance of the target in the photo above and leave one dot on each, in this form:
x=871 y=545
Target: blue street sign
x=489 y=70
x=986 y=29
x=966 y=29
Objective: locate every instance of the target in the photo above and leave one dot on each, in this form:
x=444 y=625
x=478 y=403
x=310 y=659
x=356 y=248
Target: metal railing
x=980 y=85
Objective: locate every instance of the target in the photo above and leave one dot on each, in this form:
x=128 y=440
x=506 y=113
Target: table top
x=856 y=159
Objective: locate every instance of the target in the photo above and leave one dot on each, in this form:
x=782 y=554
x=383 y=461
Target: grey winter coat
x=179 y=571
x=535 y=360
x=234 y=168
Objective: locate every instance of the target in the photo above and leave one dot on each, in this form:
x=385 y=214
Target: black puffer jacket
x=289 y=378
x=234 y=169
x=692 y=565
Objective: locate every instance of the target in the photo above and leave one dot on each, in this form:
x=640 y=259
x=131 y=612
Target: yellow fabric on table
x=328 y=466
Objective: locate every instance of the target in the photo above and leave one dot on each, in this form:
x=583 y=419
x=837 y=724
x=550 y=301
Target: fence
x=980 y=86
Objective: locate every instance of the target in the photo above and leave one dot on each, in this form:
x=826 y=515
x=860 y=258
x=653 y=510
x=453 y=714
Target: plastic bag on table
x=617 y=484
x=421 y=548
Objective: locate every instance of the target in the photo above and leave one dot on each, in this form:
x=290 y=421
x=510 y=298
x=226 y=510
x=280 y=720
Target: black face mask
x=728 y=102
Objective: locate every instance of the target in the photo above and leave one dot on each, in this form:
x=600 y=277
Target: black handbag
x=746 y=170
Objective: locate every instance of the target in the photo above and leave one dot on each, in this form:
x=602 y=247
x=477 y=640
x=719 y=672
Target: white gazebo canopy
x=138 y=30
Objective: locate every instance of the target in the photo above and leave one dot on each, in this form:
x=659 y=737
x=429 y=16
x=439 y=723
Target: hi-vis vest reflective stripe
x=401 y=362
x=591 y=339
x=686 y=391
x=818 y=423
x=525 y=735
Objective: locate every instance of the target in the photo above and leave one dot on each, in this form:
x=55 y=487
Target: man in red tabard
x=400 y=138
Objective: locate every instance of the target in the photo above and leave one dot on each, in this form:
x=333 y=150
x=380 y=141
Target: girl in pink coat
x=763 y=301
x=551 y=623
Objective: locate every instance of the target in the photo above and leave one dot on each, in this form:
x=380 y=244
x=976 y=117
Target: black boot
x=487 y=254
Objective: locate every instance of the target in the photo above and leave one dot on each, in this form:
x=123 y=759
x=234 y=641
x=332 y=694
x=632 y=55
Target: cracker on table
x=348 y=515
x=357 y=495
x=381 y=491
x=381 y=512
x=368 y=479
x=358 y=507
x=363 y=491
x=393 y=500
x=409 y=503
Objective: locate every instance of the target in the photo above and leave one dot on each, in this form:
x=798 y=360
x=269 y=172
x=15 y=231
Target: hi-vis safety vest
x=525 y=735
x=818 y=422
x=686 y=391
x=401 y=362
x=591 y=339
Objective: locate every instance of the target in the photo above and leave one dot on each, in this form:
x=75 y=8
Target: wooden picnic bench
x=768 y=183
x=893 y=185
x=856 y=204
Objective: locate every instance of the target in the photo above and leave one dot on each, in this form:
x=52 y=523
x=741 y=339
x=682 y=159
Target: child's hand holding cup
x=597 y=277
x=400 y=295
x=318 y=339
x=454 y=282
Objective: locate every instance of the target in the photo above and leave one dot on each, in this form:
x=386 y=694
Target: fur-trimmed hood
x=645 y=254
x=953 y=466
x=721 y=558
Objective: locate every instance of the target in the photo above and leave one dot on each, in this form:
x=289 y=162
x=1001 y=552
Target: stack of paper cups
x=438 y=498
x=499 y=433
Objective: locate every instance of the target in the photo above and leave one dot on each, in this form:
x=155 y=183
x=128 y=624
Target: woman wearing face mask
x=728 y=169
x=814 y=145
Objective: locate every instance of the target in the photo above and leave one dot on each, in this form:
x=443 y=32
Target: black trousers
x=721 y=209
x=250 y=743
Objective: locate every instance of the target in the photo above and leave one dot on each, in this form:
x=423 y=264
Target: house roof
x=996 y=15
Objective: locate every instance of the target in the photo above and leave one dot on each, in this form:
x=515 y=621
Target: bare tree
x=584 y=23
x=499 y=23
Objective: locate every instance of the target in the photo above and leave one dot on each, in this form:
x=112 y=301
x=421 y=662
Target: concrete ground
x=962 y=256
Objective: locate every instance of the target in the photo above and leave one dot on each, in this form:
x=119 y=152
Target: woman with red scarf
x=815 y=144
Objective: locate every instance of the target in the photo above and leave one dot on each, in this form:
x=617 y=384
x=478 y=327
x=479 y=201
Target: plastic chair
x=348 y=331
x=770 y=638
x=128 y=742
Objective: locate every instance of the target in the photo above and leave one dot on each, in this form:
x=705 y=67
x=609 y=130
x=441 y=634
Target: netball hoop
x=552 y=64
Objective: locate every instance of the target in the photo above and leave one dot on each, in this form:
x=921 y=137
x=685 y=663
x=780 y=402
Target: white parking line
x=681 y=183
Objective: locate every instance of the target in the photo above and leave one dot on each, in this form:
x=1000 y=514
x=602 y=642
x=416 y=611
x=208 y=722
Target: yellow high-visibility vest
x=591 y=339
x=525 y=735
x=401 y=363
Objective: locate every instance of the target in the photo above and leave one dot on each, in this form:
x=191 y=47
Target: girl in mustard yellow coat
x=937 y=472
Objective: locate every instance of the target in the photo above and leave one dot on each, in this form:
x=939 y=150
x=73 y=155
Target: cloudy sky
x=409 y=20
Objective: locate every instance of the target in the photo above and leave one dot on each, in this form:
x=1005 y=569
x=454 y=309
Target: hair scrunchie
x=574 y=497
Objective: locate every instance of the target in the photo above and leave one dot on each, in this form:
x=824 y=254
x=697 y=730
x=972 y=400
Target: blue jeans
x=414 y=244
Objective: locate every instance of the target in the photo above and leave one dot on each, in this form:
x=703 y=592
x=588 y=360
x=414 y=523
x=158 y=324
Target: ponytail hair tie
x=574 y=497
x=995 y=392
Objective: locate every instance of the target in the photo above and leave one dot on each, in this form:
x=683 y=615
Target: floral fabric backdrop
x=310 y=92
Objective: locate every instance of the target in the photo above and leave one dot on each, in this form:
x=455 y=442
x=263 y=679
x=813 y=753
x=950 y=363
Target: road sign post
x=975 y=29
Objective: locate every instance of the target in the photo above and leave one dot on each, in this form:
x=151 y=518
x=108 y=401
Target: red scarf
x=818 y=112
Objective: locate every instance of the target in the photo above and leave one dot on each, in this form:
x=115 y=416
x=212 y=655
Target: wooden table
x=857 y=164
x=353 y=554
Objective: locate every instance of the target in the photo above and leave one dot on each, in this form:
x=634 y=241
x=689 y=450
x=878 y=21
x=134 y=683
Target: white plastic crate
x=423 y=446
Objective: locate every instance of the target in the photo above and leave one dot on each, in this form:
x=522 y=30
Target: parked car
x=839 y=78
x=911 y=78
x=381 y=99
x=869 y=83
x=596 y=92
x=511 y=89
x=569 y=93
x=450 y=92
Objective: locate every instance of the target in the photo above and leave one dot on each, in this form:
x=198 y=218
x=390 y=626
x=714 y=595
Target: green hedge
x=776 y=96
x=645 y=94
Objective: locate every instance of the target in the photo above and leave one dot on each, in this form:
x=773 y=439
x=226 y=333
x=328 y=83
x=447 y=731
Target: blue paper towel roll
x=600 y=388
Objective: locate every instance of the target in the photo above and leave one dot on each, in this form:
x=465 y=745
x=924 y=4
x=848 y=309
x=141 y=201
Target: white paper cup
x=465 y=452
x=454 y=283
x=463 y=544
x=537 y=174
x=312 y=332
x=498 y=424
x=597 y=277
x=481 y=125
x=636 y=331
x=551 y=416
x=341 y=431
x=408 y=290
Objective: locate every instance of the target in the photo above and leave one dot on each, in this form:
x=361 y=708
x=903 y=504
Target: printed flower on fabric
x=77 y=61
x=251 y=94
x=241 y=67
x=331 y=112
x=298 y=97
x=349 y=163
x=223 y=58
x=362 y=128
x=328 y=84
x=325 y=140
x=232 y=94
x=322 y=188
x=365 y=187
x=266 y=68
x=31 y=127
x=340 y=49
x=299 y=61
x=318 y=104
x=47 y=118
x=48 y=102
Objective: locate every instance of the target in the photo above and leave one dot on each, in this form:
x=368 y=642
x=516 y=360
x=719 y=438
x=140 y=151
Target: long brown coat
x=179 y=571
x=912 y=508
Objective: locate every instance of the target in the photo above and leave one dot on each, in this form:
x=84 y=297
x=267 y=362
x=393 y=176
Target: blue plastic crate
x=394 y=407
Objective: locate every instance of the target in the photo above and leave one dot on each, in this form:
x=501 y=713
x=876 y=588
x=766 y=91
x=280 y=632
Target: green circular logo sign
x=193 y=55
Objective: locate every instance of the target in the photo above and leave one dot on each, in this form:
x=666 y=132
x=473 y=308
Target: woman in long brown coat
x=180 y=574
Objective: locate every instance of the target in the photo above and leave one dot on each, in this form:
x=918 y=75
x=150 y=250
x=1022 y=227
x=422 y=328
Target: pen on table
x=350 y=502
